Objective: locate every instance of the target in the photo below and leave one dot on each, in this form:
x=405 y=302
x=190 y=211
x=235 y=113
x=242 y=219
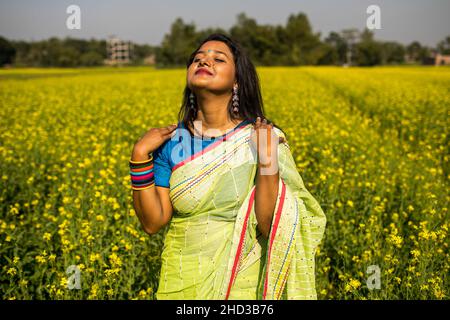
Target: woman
x=241 y=223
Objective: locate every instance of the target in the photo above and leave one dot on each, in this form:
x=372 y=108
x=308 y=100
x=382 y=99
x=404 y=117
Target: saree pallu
x=213 y=248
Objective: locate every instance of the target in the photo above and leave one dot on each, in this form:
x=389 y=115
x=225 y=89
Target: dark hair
x=249 y=92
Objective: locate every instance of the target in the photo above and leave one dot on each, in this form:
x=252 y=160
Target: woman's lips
x=199 y=72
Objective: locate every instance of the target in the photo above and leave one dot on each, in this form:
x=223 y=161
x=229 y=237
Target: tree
x=178 y=44
x=7 y=52
x=22 y=51
x=302 y=41
x=329 y=55
x=91 y=58
x=140 y=52
x=444 y=46
x=338 y=48
x=369 y=51
x=295 y=43
x=392 y=53
x=67 y=57
x=416 y=52
x=244 y=31
x=202 y=34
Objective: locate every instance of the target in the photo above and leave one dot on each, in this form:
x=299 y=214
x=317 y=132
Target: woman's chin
x=202 y=84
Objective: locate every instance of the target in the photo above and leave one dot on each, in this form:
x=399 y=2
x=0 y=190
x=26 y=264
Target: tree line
x=293 y=44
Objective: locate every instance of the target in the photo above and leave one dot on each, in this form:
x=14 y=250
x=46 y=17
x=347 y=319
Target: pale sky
x=147 y=21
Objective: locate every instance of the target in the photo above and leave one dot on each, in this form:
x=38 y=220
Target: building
x=442 y=60
x=150 y=60
x=119 y=52
x=437 y=59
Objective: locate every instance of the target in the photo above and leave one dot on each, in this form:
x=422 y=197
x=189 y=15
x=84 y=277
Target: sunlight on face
x=215 y=57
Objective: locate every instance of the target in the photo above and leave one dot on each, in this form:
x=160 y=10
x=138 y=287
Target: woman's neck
x=213 y=113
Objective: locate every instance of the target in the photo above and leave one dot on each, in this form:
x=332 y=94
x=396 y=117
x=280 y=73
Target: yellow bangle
x=143 y=161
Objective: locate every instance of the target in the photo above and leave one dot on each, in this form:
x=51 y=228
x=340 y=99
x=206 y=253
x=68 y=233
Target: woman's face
x=215 y=57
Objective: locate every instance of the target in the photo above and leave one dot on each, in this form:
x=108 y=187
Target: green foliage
x=7 y=52
x=444 y=46
x=91 y=58
x=178 y=44
x=292 y=44
x=369 y=51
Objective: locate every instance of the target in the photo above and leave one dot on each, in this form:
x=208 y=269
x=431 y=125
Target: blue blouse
x=178 y=148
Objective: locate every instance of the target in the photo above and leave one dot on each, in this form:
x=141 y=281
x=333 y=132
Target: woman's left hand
x=265 y=141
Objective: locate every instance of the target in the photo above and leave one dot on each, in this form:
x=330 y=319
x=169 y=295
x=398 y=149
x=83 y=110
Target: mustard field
x=372 y=146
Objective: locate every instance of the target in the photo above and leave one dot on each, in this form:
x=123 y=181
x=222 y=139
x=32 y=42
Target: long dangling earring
x=192 y=103
x=235 y=100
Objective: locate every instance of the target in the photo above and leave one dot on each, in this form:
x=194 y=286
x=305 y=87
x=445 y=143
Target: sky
x=146 y=22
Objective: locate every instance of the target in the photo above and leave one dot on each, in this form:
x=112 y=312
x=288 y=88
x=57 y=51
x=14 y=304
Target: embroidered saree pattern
x=213 y=249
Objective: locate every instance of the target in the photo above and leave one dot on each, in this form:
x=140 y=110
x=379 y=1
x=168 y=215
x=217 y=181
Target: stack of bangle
x=142 y=174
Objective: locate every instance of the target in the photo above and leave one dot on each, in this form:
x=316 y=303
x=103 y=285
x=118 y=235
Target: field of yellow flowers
x=372 y=145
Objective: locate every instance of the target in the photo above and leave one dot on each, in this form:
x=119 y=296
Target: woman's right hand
x=151 y=141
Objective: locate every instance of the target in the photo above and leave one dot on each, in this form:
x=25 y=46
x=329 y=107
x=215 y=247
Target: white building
x=118 y=51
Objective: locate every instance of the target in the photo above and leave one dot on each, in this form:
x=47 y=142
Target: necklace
x=201 y=134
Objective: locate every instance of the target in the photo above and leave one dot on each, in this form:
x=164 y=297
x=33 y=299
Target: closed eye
x=217 y=59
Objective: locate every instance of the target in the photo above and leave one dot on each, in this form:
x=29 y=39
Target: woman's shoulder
x=280 y=133
x=166 y=147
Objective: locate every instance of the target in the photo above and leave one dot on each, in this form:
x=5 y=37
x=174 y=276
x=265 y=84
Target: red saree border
x=241 y=243
x=210 y=147
x=272 y=235
x=244 y=230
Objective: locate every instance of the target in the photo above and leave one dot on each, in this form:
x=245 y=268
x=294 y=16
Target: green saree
x=213 y=249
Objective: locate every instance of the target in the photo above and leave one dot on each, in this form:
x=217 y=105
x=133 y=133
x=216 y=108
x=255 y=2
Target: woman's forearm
x=265 y=199
x=147 y=204
x=265 y=141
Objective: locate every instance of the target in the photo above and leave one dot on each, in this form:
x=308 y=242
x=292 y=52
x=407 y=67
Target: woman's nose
x=203 y=61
